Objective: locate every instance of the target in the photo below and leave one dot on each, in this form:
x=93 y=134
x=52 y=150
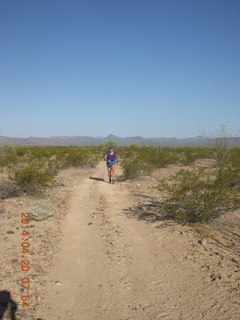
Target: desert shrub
x=158 y=157
x=234 y=157
x=196 y=196
x=9 y=189
x=53 y=157
x=72 y=156
x=7 y=155
x=229 y=177
x=53 y=166
x=134 y=168
x=190 y=154
x=32 y=178
x=21 y=151
x=74 y=159
x=137 y=160
x=40 y=152
x=218 y=140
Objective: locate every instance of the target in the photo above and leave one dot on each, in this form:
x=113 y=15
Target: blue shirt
x=111 y=157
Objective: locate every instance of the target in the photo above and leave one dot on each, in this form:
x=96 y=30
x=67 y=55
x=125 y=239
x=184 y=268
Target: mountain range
x=86 y=140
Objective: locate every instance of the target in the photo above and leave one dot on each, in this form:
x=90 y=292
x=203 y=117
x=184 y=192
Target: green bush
x=138 y=161
x=229 y=178
x=136 y=168
x=33 y=178
x=188 y=155
x=7 y=155
x=196 y=196
x=159 y=157
x=234 y=157
x=75 y=159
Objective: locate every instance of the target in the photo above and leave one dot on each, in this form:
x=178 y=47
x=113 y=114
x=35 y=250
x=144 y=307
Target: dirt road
x=113 y=267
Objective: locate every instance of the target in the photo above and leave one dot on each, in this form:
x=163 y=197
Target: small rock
x=202 y=241
x=62 y=180
x=10 y=232
x=89 y=223
x=58 y=283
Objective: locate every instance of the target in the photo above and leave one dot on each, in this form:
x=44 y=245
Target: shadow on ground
x=118 y=179
x=150 y=212
x=97 y=179
x=7 y=305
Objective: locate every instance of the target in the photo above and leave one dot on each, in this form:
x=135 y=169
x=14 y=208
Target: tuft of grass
x=9 y=189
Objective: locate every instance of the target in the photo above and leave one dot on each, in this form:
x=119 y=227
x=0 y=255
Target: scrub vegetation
x=192 y=195
x=32 y=169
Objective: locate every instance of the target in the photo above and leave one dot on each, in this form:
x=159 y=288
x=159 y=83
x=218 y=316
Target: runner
x=112 y=158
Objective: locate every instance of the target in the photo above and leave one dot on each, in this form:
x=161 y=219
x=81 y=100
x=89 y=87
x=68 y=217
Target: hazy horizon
x=113 y=135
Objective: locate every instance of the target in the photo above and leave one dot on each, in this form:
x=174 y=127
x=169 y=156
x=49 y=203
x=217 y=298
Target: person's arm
x=117 y=158
x=105 y=157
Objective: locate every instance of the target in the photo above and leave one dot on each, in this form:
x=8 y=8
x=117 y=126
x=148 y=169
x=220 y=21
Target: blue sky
x=133 y=67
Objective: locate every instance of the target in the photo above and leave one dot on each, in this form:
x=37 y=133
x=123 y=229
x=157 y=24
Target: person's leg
x=109 y=174
x=114 y=171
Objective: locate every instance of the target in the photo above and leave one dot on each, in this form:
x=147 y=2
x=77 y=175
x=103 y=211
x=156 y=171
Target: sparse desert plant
x=159 y=157
x=135 y=168
x=9 y=189
x=7 y=155
x=218 y=140
x=74 y=159
x=235 y=157
x=33 y=178
x=21 y=151
x=196 y=196
x=221 y=146
x=190 y=154
x=229 y=178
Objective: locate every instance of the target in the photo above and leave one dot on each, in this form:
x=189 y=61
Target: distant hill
x=85 y=140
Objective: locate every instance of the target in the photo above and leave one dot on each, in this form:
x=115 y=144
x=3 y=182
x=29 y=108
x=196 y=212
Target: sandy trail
x=112 y=267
